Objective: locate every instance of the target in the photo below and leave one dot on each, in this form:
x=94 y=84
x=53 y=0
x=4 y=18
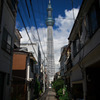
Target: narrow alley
x=49 y=95
x=49 y=49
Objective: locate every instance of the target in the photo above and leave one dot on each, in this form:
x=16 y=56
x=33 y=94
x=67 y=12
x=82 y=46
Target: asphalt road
x=49 y=95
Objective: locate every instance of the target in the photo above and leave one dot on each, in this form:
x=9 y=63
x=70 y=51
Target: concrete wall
x=8 y=21
x=76 y=75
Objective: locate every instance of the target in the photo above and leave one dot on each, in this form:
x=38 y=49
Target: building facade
x=57 y=75
x=62 y=60
x=17 y=39
x=37 y=55
x=8 y=10
x=23 y=75
x=85 y=56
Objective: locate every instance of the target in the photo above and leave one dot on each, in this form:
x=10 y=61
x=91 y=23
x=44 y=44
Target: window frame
x=96 y=7
x=5 y=45
x=74 y=48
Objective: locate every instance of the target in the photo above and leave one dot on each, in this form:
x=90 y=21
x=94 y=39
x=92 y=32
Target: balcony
x=6 y=47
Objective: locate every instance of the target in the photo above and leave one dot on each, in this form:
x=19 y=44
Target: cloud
x=64 y=26
x=61 y=33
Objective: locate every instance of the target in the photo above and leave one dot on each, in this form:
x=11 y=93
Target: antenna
x=49 y=1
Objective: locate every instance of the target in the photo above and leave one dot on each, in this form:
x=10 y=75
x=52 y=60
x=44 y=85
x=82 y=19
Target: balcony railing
x=6 y=47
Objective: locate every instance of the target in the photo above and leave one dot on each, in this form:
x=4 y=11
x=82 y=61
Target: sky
x=64 y=14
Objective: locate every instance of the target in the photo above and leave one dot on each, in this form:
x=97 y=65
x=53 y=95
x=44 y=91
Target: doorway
x=1 y=85
x=93 y=83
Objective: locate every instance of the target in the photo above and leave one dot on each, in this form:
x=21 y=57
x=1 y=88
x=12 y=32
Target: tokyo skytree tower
x=50 y=49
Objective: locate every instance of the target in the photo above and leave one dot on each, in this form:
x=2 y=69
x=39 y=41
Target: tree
x=61 y=89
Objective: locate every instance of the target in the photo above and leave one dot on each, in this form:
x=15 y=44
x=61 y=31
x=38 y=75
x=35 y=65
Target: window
x=94 y=18
x=6 y=41
x=74 y=48
x=81 y=36
x=97 y=5
x=76 y=45
x=84 y=32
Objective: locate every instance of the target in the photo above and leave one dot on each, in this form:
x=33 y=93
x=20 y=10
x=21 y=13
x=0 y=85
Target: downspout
x=2 y=3
x=28 y=76
x=27 y=69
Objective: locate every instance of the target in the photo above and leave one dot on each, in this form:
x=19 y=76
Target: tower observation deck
x=50 y=48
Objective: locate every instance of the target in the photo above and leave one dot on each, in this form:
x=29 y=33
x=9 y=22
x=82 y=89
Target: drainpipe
x=84 y=85
x=44 y=79
x=27 y=69
x=27 y=77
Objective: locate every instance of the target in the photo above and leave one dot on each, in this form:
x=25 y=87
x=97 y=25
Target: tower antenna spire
x=50 y=48
x=49 y=1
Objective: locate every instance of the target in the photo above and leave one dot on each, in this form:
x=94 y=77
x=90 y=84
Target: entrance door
x=77 y=91
x=1 y=85
x=93 y=83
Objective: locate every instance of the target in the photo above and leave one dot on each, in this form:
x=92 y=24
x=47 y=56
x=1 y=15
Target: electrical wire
x=27 y=32
x=36 y=28
x=27 y=8
x=26 y=18
x=43 y=8
x=73 y=10
x=41 y=19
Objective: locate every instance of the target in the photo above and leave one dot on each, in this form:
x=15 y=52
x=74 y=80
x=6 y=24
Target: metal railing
x=6 y=47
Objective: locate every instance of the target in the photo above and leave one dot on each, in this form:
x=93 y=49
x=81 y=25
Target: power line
x=65 y=18
x=43 y=9
x=27 y=8
x=35 y=25
x=27 y=31
x=42 y=13
x=25 y=15
x=36 y=28
x=39 y=10
x=73 y=10
x=75 y=3
x=41 y=19
x=44 y=20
